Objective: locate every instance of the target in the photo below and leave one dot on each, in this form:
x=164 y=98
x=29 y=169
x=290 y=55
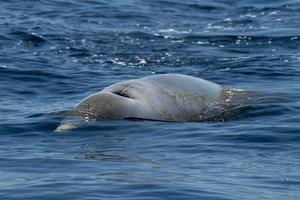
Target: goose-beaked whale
x=166 y=97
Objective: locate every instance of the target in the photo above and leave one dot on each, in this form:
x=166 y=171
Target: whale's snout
x=65 y=127
x=72 y=122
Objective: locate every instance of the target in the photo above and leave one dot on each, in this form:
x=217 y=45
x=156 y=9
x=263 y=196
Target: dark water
x=55 y=53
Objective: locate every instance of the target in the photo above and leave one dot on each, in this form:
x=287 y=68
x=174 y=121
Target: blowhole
x=122 y=93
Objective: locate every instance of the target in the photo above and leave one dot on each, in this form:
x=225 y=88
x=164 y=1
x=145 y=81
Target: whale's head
x=125 y=100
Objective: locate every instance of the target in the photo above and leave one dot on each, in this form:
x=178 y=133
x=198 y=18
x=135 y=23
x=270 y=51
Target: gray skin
x=167 y=97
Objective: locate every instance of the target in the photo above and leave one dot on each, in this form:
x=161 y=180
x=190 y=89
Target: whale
x=164 y=97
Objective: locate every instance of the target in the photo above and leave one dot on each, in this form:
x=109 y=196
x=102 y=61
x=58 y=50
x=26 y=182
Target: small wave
x=30 y=73
x=30 y=38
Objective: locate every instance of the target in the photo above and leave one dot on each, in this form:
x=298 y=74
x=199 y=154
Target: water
x=55 y=53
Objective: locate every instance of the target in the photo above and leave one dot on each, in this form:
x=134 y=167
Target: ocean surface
x=55 y=53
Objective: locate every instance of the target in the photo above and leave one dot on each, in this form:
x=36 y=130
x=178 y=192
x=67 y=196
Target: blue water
x=55 y=53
